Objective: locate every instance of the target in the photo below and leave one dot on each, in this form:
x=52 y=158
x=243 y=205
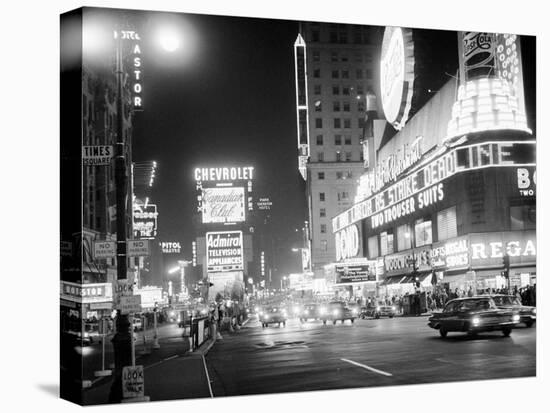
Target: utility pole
x=122 y=341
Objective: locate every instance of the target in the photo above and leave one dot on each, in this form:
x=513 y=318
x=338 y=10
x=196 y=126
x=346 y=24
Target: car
x=473 y=315
x=527 y=314
x=310 y=312
x=137 y=323
x=383 y=310
x=334 y=311
x=355 y=309
x=274 y=315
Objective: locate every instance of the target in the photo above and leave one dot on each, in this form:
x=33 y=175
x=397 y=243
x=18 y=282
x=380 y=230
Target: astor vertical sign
x=134 y=66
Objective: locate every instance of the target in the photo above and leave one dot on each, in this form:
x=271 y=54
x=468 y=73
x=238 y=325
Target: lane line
x=170 y=358
x=367 y=367
x=207 y=377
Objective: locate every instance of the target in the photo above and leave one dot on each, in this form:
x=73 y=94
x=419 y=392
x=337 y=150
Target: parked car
x=355 y=309
x=274 y=315
x=334 y=311
x=527 y=314
x=137 y=323
x=473 y=315
x=310 y=312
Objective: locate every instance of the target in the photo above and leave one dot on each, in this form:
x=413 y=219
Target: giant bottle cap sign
x=397 y=75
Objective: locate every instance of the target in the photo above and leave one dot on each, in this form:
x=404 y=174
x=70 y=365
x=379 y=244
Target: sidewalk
x=175 y=377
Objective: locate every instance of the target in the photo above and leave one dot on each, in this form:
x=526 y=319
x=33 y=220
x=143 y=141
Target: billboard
x=145 y=221
x=224 y=251
x=223 y=205
x=356 y=273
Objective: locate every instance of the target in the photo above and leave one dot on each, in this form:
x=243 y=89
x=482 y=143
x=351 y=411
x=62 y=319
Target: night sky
x=230 y=100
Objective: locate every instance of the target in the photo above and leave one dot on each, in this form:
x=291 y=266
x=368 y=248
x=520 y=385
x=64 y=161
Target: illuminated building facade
x=454 y=190
x=335 y=67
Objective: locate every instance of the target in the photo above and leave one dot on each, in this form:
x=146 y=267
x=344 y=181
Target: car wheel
x=506 y=332
x=529 y=323
x=377 y=316
x=333 y=322
x=352 y=320
x=391 y=316
x=324 y=322
x=442 y=332
x=284 y=323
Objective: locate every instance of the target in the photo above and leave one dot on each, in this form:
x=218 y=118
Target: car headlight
x=534 y=311
x=261 y=313
x=296 y=310
x=256 y=309
x=476 y=321
x=172 y=314
x=515 y=317
x=354 y=311
x=307 y=312
x=335 y=312
x=179 y=319
x=393 y=308
x=266 y=317
x=377 y=308
x=323 y=311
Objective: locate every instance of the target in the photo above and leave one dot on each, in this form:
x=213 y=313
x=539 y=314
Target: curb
x=203 y=349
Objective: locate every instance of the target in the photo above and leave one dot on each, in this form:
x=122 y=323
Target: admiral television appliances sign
x=224 y=251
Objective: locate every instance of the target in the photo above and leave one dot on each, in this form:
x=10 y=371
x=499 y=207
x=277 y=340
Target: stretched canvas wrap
x=254 y=206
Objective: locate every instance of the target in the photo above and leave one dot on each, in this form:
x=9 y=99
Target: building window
x=361 y=106
x=386 y=243
x=322 y=196
x=446 y=224
x=347 y=140
x=323 y=228
x=318 y=122
x=359 y=73
x=369 y=74
x=344 y=58
x=333 y=37
x=348 y=156
x=345 y=74
x=317 y=89
x=357 y=57
x=343 y=35
x=335 y=90
x=335 y=74
x=336 y=106
x=320 y=175
x=339 y=174
x=334 y=57
x=320 y=156
x=346 y=107
x=337 y=123
x=315 y=35
x=338 y=139
x=345 y=90
x=523 y=217
x=318 y=106
x=347 y=123
x=317 y=73
x=319 y=140
x=404 y=237
x=338 y=159
x=372 y=247
x=324 y=245
x=360 y=123
x=316 y=56
x=422 y=232
x=360 y=90
x=343 y=196
x=322 y=212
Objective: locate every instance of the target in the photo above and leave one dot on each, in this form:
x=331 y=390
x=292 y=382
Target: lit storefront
x=453 y=191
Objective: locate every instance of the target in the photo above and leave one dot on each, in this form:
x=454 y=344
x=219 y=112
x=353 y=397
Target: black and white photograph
x=337 y=209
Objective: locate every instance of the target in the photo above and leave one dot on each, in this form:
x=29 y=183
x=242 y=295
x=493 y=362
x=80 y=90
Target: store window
x=322 y=212
x=404 y=237
x=446 y=224
x=336 y=106
x=523 y=217
x=423 y=232
x=386 y=243
x=338 y=159
x=321 y=196
x=372 y=247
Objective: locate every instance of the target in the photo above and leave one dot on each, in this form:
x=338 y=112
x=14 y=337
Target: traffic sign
x=130 y=304
x=133 y=382
x=104 y=249
x=137 y=247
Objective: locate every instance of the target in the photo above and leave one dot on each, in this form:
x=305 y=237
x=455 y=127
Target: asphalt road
x=382 y=352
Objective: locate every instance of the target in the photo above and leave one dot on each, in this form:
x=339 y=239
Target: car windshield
x=506 y=300
x=474 y=305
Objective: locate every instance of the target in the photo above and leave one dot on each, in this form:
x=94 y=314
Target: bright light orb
x=169 y=41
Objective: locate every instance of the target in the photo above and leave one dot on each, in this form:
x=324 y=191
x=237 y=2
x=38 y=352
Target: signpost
x=137 y=248
x=130 y=304
x=104 y=249
x=133 y=384
x=103 y=328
